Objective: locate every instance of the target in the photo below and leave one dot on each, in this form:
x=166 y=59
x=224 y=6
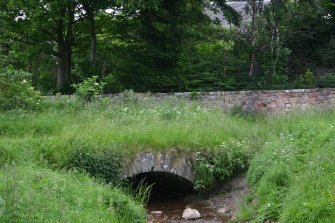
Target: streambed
x=172 y=207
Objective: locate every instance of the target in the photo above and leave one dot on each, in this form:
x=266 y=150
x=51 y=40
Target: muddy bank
x=165 y=209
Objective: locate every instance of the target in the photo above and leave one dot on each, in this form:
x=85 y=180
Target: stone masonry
x=169 y=161
x=272 y=101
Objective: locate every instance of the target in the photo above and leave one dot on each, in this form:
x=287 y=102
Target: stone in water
x=190 y=214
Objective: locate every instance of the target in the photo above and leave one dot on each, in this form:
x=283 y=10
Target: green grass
x=290 y=158
x=35 y=194
x=132 y=127
x=293 y=176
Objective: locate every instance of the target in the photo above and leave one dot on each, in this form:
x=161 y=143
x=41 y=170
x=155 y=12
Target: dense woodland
x=169 y=45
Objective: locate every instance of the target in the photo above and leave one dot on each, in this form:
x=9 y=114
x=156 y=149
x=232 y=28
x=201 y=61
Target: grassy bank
x=292 y=177
x=34 y=194
x=290 y=158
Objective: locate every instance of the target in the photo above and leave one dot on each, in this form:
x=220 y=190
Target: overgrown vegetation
x=17 y=91
x=67 y=143
x=222 y=162
x=30 y=193
x=292 y=177
x=89 y=89
x=61 y=160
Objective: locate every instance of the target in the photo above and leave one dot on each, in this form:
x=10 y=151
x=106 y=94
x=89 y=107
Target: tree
x=160 y=39
x=49 y=23
x=254 y=7
x=90 y=10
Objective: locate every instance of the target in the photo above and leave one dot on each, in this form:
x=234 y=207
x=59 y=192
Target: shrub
x=104 y=163
x=17 y=91
x=169 y=114
x=88 y=90
x=129 y=96
x=204 y=174
x=307 y=80
x=221 y=163
x=194 y=95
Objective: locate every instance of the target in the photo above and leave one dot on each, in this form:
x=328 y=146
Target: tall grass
x=142 y=191
x=291 y=157
x=292 y=177
x=132 y=125
x=34 y=194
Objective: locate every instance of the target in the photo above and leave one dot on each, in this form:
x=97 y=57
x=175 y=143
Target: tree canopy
x=170 y=45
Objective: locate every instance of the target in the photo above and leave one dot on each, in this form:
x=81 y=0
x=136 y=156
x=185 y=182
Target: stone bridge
x=169 y=170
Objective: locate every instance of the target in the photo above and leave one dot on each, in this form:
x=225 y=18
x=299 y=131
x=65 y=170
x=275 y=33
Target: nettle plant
x=88 y=90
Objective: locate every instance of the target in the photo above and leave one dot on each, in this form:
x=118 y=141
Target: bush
x=17 y=91
x=104 y=163
x=307 y=80
x=221 y=163
x=129 y=96
x=88 y=90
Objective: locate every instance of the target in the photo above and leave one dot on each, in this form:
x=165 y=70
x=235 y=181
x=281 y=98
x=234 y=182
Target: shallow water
x=172 y=210
x=172 y=205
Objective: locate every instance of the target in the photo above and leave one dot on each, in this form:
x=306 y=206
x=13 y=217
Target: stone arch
x=172 y=162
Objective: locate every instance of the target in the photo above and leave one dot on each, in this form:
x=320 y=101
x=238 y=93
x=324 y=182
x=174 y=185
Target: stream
x=170 y=208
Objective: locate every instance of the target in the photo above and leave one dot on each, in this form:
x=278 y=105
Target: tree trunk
x=253 y=37
x=61 y=69
x=68 y=47
x=93 y=36
x=275 y=38
x=68 y=65
x=61 y=74
x=64 y=58
x=64 y=50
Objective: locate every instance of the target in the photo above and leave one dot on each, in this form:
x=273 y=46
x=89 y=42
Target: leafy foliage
x=221 y=163
x=105 y=164
x=164 y=46
x=17 y=91
x=88 y=90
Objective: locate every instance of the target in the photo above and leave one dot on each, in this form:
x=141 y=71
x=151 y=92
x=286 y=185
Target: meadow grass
x=290 y=158
x=34 y=194
x=130 y=127
x=292 y=177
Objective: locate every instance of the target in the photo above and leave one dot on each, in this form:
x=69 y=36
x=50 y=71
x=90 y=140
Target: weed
x=89 y=89
x=194 y=96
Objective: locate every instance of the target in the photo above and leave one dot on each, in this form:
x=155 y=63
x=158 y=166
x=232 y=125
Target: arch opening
x=166 y=185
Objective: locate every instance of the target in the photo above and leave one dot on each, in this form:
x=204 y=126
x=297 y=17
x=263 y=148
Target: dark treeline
x=170 y=45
